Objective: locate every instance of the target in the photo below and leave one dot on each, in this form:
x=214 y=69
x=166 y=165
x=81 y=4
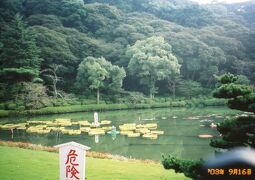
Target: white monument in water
x=72 y=158
x=96 y=119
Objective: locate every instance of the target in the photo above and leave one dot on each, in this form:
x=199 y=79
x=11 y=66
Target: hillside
x=205 y=39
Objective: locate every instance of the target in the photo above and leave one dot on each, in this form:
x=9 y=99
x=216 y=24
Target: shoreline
x=110 y=107
x=93 y=154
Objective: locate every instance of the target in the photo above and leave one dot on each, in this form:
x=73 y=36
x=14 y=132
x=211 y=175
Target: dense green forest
x=64 y=48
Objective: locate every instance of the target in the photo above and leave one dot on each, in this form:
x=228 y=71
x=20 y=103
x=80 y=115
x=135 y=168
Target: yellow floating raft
x=96 y=132
x=74 y=132
x=42 y=131
x=85 y=129
x=126 y=132
x=9 y=126
x=127 y=127
x=157 y=132
x=84 y=123
x=151 y=126
x=65 y=124
x=70 y=132
x=52 y=124
x=62 y=120
x=40 y=126
x=34 y=130
x=107 y=128
x=64 y=131
x=150 y=136
x=56 y=129
x=105 y=122
x=143 y=131
x=37 y=122
x=129 y=124
x=133 y=134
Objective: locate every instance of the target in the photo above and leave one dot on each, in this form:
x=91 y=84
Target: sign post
x=72 y=158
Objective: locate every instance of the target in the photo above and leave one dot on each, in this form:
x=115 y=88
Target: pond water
x=181 y=128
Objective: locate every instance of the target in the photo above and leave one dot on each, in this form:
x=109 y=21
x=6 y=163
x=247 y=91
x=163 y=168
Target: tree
x=152 y=60
x=32 y=95
x=52 y=74
x=19 y=58
x=189 y=89
x=240 y=130
x=173 y=82
x=99 y=74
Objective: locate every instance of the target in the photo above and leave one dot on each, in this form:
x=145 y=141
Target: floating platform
x=150 y=136
x=133 y=134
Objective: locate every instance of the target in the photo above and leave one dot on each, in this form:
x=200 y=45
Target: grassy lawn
x=17 y=163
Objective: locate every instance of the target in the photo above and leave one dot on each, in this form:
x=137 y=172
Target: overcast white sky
x=227 y=1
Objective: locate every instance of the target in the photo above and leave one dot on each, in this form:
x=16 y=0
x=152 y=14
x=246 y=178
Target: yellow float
x=9 y=126
x=83 y=123
x=151 y=126
x=96 y=132
x=157 y=132
x=143 y=130
x=126 y=127
x=85 y=129
x=74 y=132
x=107 y=128
x=125 y=132
x=133 y=134
x=150 y=136
x=105 y=122
x=41 y=131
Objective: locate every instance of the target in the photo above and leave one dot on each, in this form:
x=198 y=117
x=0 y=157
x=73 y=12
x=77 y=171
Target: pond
x=181 y=127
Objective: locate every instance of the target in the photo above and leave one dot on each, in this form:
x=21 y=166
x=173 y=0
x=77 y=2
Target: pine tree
x=238 y=131
x=19 y=56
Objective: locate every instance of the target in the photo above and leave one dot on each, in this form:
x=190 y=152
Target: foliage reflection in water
x=181 y=128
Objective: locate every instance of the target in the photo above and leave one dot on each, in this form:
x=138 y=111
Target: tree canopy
x=152 y=60
x=99 y=74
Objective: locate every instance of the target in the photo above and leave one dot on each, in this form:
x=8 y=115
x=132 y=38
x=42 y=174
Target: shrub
x=192 y=169
x=2 y=106
x=4 y=113
x=21 y=108
x=11 y=106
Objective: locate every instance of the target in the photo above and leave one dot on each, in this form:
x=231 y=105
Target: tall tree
x=152 y=60
x=99 y=74
x=19 y=58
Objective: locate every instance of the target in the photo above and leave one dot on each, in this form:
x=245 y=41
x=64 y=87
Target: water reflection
x=180 y=127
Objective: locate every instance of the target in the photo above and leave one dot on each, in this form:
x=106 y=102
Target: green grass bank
x=25 y=164
x=107 y=107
